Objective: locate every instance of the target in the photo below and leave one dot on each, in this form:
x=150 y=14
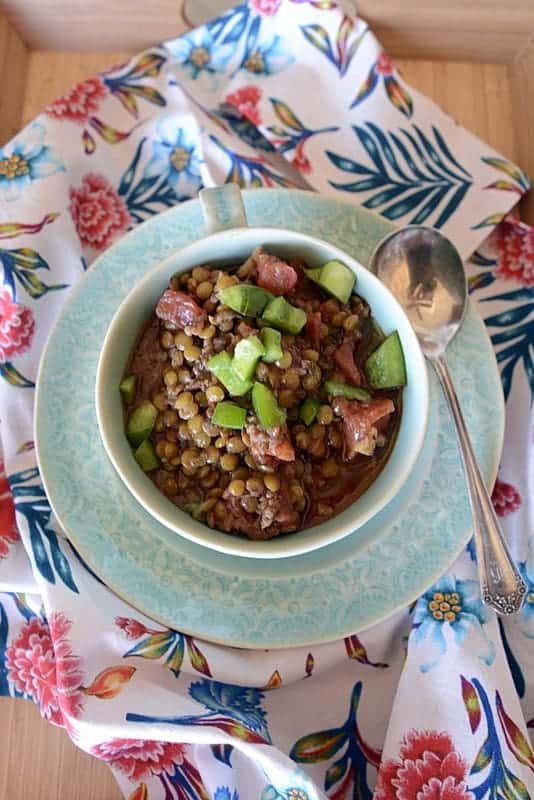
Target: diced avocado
x=222 y=367
x=385 y=367
x=146 y=457
x=247 y=353
x=284 y=316
x=229 y=415
x=337 y=389
x=314 y=274
x=272 y=342
x=127 y=388
x=308 y=410
x=140 y=423
x=335 y=278
x=266 y=407
x=245 y=298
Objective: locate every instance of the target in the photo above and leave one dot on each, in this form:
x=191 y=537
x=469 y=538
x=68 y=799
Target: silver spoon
x=425 y=273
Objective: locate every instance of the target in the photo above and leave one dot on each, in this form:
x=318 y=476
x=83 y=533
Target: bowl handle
x=222 y=208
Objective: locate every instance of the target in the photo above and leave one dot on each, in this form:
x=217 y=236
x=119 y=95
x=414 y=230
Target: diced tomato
x=179 y=309
x=282 y=448
x=275 y=275
x=269 y=447
x=359 y=422
x=344 y=358
x=313 y=328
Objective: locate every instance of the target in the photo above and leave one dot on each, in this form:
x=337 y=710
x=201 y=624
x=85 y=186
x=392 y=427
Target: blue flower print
x=241 y=703
x=26 y=159
x=267 y=57
x=174 y=154
x=451 y=605
x=199 y=52
x=272 y=792
x=224 y=793
x=526 y=616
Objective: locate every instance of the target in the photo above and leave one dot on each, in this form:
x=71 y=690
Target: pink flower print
x=80 y=102
x=505 y=498
x=99 y=213
x=384 y=65
x=17 y=327
x=139 y=759
x=266 y=7
x=300 y=160
x=427 y=768
x=51 y=678
x=8 y=528
x=515 y=252
x=246 y=101
x=131 y=627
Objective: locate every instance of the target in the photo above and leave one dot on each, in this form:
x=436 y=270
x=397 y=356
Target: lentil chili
x=301 y=433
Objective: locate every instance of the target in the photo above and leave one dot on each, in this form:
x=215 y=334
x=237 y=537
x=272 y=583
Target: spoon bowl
x=424 y=271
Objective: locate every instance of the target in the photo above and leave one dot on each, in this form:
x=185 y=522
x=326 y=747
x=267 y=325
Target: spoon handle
x=502 y=586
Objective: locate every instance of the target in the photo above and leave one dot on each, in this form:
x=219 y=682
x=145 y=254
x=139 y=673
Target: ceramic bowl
x=228 y=241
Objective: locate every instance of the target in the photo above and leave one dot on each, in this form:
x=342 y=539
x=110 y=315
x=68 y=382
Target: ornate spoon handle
x=502 y=586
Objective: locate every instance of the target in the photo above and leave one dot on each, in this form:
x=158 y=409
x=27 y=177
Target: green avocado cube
x=229 y=415
x=308 y=410
x=141 y=422
x=266 y=407
x=335 y=278
x=245 y=298
x=247 y=353
x=272 y=342
x=146 y=457
x=128 y=388
x=338 y=389
x=282 y=315
x=385 y=367
x=222 y=367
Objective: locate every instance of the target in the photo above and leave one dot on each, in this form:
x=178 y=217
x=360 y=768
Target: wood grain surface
x=39 y=761
x=95 y=24
x=13 y=70
x=490 y=99
x=456 y=29
x=522 y=95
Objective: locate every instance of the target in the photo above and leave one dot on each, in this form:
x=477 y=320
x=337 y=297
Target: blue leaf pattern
x=31 y=502
x=4 y=631
x=418 y=180
x=516 y=327
x=223 y=753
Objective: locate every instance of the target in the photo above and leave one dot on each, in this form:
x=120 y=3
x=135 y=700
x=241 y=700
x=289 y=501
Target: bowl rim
x=299 y=542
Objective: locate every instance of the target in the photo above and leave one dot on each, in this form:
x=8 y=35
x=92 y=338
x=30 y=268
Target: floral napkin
x=430 y=704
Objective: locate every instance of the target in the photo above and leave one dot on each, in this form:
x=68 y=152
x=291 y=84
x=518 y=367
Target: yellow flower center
x=255 y=62
x=13 y=167
x=297 y=794
x=445 y=606
x=200 y=57
x=180 y=158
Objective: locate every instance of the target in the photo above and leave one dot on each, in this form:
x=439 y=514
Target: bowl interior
x=229 y=247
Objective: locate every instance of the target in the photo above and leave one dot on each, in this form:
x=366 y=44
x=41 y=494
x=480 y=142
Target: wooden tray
x=476 y=59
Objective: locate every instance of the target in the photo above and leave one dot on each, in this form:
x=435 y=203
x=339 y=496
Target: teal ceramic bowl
x=229 y=240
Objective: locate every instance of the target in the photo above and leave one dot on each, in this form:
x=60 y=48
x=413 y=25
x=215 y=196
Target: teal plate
x=254 y=603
